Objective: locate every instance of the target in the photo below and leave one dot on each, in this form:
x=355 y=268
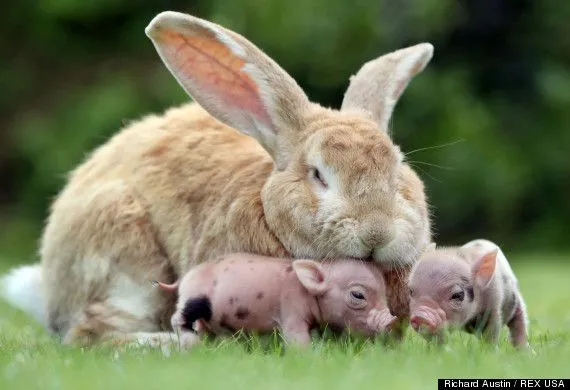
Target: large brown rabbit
x=255 y=167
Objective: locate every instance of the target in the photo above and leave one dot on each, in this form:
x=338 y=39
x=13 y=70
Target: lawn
x=30 y=359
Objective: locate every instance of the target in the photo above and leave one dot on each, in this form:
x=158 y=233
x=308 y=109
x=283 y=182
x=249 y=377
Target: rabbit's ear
x=377 y=86
x=229 y=76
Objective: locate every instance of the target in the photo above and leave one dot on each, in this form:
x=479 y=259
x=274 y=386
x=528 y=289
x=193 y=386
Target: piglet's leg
x=518 y=328
x=492 y=330
x=296 y=332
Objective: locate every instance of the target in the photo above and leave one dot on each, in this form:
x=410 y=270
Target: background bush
x=497 y=91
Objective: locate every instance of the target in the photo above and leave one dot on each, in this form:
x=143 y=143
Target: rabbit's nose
x=376 y=237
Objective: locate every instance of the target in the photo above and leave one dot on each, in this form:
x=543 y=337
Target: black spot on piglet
x=242 y=313
x=199 y=308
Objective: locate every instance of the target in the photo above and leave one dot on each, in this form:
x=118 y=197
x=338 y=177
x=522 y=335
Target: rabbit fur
x=251 y=166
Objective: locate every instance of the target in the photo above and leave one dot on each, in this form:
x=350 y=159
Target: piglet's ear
x=311 y=275
x=484 y=268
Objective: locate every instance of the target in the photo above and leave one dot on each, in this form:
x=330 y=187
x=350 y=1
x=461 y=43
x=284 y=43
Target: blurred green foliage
x=497 y=94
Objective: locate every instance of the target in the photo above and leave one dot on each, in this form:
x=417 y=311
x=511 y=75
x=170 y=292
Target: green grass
x=30 y=359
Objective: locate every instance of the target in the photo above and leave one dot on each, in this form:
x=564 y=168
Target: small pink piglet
x=257 y=293
x=472 y=286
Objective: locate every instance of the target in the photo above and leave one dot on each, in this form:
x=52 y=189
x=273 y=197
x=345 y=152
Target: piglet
x=256 y=293
x=473 y=287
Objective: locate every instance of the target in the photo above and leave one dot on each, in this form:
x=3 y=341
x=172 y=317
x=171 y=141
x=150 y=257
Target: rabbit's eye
x=318 y=177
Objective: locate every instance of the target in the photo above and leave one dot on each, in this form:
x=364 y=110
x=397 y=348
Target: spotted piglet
x=256 y=293
x=473 y=287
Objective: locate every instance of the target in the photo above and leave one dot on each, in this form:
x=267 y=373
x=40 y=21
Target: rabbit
x=250 y=166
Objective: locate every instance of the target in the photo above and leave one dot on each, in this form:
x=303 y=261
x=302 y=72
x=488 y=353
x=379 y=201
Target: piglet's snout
x=381 y=320
x=426 y=319
x=427 y=315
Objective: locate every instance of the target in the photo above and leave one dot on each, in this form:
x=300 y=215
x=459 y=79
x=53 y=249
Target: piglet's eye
x=318 y=177
x=458 y=296
x=356 y=299
x=357 y=295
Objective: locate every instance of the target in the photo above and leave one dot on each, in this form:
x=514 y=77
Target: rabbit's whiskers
x=434 y=147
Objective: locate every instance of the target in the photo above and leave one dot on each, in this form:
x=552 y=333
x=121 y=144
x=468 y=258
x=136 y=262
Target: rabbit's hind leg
x=141 y=316
x=100 y=254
